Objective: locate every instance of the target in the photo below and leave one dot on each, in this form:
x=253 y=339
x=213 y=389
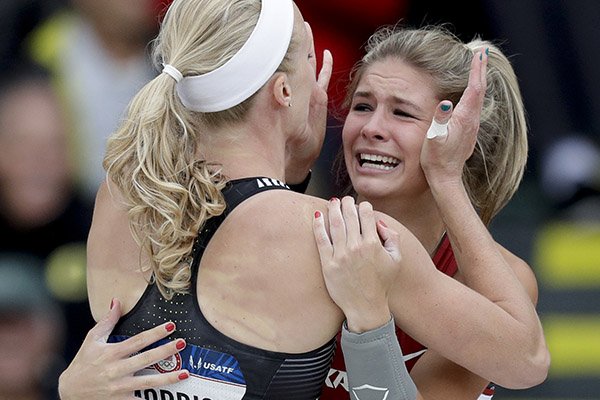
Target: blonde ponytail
x=168 y=192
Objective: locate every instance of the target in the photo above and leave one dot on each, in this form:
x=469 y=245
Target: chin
x=371 y=188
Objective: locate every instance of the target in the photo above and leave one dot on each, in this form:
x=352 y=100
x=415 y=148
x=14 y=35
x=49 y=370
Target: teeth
x=379 y=158
x=383 y=167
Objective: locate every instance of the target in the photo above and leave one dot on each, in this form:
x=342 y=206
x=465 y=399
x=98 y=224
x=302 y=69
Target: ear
x=282 y=91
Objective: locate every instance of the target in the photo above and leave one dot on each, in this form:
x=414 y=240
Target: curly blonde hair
x=153 y=156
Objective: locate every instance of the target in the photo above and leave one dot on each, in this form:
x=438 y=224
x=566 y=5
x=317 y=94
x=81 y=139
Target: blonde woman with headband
x=210 y=254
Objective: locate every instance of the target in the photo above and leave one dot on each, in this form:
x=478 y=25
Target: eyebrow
x=395 y=99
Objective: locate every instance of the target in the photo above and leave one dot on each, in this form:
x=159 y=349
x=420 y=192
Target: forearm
x=485 y=270
x=374 y=363
x=477 y=254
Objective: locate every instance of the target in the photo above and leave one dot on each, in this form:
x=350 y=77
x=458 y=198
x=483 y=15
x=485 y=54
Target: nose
x=375 y=128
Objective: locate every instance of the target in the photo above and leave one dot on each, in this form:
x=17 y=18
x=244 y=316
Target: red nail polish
x=184 y=375
x=170 y=327
x=180 y=345
x=317 y=214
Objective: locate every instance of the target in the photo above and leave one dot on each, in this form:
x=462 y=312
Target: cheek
x=348 y=139
x=411 y=140
x=351 y=129
x=418 y=143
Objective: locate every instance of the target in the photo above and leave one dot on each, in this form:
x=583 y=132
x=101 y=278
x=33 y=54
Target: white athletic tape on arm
x=437 y=130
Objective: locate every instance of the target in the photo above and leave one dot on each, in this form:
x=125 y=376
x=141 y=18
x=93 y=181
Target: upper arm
x=437 y=378
x=113 y=256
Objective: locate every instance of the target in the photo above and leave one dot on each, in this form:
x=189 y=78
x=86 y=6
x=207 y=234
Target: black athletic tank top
x=220 y=367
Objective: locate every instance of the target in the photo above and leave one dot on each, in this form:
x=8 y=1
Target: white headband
x=249 y=69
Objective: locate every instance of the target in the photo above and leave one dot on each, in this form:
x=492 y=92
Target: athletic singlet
x=220 y=367
x=336 y=385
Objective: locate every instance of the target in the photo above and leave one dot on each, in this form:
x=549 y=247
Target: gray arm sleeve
x=375 y=366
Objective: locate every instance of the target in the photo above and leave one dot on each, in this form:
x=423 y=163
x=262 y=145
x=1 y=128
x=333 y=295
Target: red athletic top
x=336 y=385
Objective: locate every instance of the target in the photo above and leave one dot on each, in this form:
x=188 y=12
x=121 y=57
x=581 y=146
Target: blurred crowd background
x=68 y=68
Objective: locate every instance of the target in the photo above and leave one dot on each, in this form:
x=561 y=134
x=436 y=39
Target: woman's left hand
x=443 y=157
x=360 y=259
x=306 y=153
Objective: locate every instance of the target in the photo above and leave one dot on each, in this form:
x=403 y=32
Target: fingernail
x=445 y=107
x=184 y=375
x=480 y=56
x=333 y=199
x=112 y=303
x=487 y=51
x=180 y=345
x=170 y=327
x=317 y=214
x=383 y=223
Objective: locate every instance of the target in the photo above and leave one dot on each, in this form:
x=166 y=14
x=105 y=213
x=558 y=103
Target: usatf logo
x=172 y=363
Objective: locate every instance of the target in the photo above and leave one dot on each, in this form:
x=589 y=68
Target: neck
x=255 y=147
x=419 y=215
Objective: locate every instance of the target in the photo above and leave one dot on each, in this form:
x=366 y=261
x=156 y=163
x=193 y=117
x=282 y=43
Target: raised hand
x=443 y=157
x=306 y=153
x=102 y=370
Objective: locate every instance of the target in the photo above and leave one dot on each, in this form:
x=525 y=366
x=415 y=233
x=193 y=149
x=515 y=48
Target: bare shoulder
x=276 y=225
x=113 y=257
x=523 y=272
x=280 y=216
x=265 y=249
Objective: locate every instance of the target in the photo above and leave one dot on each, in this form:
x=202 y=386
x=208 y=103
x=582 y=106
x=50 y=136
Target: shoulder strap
x=239 y=190
x=236 y=192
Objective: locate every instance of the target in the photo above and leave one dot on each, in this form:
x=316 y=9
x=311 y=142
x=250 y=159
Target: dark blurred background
x=69 y=68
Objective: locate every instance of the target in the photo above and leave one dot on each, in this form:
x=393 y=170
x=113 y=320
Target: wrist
x=447 y=188
x=368 y=321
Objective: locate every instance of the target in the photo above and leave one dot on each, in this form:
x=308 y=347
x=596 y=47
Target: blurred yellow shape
x=66 y=273
x=567 y=255
x=574 y=343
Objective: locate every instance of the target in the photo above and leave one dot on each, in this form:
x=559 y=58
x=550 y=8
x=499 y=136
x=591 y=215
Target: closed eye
x=402 y=113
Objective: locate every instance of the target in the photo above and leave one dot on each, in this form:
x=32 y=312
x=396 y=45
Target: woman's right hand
x=443 y=157
x=102 y=370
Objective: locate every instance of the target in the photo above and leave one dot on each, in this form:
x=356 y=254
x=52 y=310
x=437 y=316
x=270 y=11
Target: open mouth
x=383 y=163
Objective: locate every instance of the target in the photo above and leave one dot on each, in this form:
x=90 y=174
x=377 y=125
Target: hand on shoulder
x=360 y=258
